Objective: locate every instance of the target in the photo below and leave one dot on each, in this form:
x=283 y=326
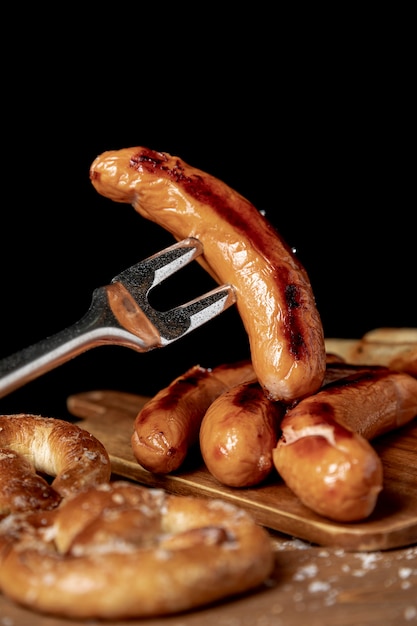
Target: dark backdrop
x=324 y=153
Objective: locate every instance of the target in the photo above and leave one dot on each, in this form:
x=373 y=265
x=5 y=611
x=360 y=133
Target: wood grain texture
x=109 y=415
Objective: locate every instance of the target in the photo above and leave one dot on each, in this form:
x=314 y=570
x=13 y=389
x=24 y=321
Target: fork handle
x=98 y=327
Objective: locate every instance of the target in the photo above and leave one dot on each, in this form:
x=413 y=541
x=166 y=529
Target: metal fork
x=120 y=314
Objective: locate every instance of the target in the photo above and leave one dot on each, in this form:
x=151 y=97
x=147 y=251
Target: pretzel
x=121 y=550
x=21 y=488
x=31 y=444
x=395 y=348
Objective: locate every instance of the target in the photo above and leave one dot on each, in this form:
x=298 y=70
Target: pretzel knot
x=121 y=550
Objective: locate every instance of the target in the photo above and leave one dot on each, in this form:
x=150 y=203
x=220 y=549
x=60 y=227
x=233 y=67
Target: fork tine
x=176 y=322
x=182 y=319
x=146 y=274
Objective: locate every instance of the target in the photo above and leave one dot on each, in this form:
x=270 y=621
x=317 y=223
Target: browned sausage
x=238 y=433
x=169 y=424
x=335 y=370
x=324 y=455
x=274 y=295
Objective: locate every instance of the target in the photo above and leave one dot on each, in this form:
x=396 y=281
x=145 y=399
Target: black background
x=315 y=133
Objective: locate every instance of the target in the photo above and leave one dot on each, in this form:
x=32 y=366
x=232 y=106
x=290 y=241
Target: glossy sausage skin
x=335 y=370
x=274 y=295
x=238 y=433
x=169 y=424
x=324 y=455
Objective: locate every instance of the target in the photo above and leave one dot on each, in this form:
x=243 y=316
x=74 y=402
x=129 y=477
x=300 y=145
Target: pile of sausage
x=292 y=407
x=319 y=445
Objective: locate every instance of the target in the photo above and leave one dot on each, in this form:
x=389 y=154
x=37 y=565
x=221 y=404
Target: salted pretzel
x=121 y=550
x=395 y=348
x=33 y=447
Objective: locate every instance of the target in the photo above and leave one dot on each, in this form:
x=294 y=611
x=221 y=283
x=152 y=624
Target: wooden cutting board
x=109 y=415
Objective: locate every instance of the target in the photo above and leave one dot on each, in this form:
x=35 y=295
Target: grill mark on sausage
x=197 y=187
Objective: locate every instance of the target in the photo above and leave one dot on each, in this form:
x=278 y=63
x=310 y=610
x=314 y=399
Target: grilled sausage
x=274 y=295
x=238 y=433
x=337 y=369
x=324 y=454
x=168 y=424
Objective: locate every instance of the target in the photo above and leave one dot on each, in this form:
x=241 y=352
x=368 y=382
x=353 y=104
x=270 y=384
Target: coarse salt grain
x=410 y=612
x=369 y=559
x=405 y=572
x=308 y=571
x=317 y=586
